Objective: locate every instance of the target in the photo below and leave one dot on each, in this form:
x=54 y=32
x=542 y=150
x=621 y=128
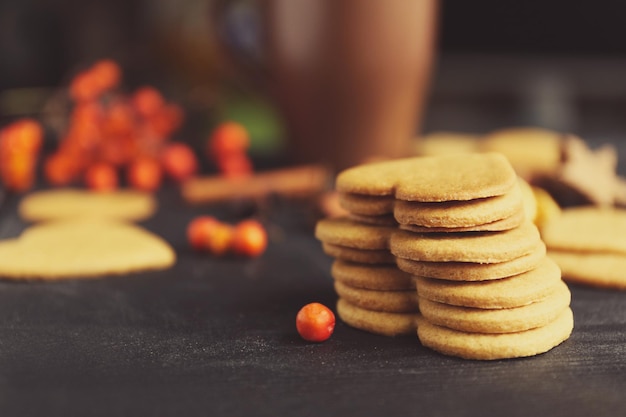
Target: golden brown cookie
x=379 y=322
x=533 y=152
x=72 y=203
x=373 y=277
x=446 y=143
x=498 y=320
x=483 y=346
x=469 y=271
x=432 y=178
x=381 y=220
x=513 y=291
x=587 y=229
x=364 y=256
x=366 y=204
x=605 y=270
x=393 y=301
x=477 y=247
x=82 y=248
x=497 y=226
x=353 y=234
x=460 y=214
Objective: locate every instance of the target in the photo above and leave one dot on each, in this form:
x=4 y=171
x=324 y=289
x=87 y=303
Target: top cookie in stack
x=439 y=194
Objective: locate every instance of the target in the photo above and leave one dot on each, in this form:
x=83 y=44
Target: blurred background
x=499 y=63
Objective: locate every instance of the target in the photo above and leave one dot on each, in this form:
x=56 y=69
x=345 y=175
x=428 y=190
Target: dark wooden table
x=216 y=337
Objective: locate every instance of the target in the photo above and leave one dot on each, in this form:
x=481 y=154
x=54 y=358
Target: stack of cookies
x=486 y=289
x=374 y=295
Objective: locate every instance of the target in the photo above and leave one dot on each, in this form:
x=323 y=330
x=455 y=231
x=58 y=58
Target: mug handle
x=236 y=27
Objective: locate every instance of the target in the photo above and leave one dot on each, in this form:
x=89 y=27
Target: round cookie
x=379 y=322
x=499 y=320
x=367 y=205
x=381 y=220
x=587 y=229
x=478 y=247
x=400 y=301
x=365 y=256
x=432 y=178
x=482 y=346
x=460 y=214
x=349 y=233
x=70 y=203
x=514 y=291
x=605 y=270
x=496 y=226
x=372 y=277
x=469 y=271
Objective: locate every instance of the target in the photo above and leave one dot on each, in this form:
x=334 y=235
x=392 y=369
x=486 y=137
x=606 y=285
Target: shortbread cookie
x=394 y=301
x=72 y=203
x=547 y=208
x=497 y=226
x=477 y=247
x=366 y=204
x=514 y=291
x=82 y=248
x=605 y=270
x=379 y=322
x=529 y=199
x=587 y=229
x=483 y=346
x=373 y=277
x=432 y=178
x=446 y=143
x=381 y=220
x=469 y=271
x=365 y=256
x=460 y=214
x=499 y=320
x=352 y=234
x=533 y=152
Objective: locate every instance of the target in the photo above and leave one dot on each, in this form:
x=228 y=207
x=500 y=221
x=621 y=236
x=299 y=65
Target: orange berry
x=147 y=101
x=249 y=239
x=235 y=165
x=144 y=174
x=227 y=139
x=179 y=161
x=166 y=120
x=315 y=322
x=101 y=177
x=220 y=239
x=59 y=170
x=83 y=87
x=199 y=230
x=106 y=74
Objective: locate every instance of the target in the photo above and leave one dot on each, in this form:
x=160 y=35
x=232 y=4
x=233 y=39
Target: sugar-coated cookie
x=70 y=203
x=379 y=322
x=82 y=248
x=432 y=178
x=373 y=277
x=483 y=346
x=514 y=291
x=497 y=320
x=478 y=247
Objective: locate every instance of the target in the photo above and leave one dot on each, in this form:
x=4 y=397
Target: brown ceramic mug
x=349 y=77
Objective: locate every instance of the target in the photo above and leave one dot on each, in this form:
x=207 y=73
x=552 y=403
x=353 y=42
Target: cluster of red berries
x=109 y=132
x=207 y=234
x=20 y=143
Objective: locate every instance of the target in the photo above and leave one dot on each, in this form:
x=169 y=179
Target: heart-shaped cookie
x=82 y=248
